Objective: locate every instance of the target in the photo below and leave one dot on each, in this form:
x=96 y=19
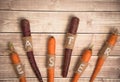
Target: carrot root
x=22 y=79
x=76 y=77
x=99 y=64
x=50 y=74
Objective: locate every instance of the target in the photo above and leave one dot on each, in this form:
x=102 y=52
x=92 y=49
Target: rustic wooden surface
x=51 y=17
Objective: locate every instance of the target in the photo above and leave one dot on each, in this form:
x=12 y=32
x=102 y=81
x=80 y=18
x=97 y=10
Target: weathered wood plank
x=90 y=22
x=59 y=80
x=61 y=5
x=111 y=68
x=45 y=20
x=40 y=43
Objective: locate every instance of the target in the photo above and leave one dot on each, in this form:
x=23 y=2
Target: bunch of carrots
x=82 y=63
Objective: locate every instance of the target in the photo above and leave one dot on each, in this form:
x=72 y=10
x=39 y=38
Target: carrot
x=28 y=46
x=98 y=67
x=69 y=44
x=105 y=51
x=82 y=64
x=17 y=63
x=51 y=58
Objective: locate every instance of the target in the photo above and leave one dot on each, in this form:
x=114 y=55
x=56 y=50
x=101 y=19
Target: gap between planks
x=61 y=5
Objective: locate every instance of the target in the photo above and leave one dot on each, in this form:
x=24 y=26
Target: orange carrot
x=82 y=64
x=105 y=51
x=17 y=63
x=51 y=58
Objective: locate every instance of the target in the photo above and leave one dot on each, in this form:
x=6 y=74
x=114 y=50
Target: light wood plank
x=111 y=68
x=40 y=43
x=90 y=22
x=59 y=80
x=51 y=17
x=61 y=5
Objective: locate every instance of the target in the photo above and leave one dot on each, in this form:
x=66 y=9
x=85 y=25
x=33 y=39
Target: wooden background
x=51 y=17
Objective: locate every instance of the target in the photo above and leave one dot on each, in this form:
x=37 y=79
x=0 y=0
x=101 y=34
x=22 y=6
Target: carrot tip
x=64 y=74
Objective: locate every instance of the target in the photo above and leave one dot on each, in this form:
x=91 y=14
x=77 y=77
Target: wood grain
x=40 y=43
x=111 y=68
x=61 y=5
x=54 y=22
x=51 y=17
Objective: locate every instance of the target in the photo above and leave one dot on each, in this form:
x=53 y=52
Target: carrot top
x=14 y=56
x=87 y=54
x=51 y=46
x=113 y=37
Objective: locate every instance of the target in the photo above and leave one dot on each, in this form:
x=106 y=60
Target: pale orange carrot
x=17 y=63
x=51 y=58
x=105 y=51
x=82 y=64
